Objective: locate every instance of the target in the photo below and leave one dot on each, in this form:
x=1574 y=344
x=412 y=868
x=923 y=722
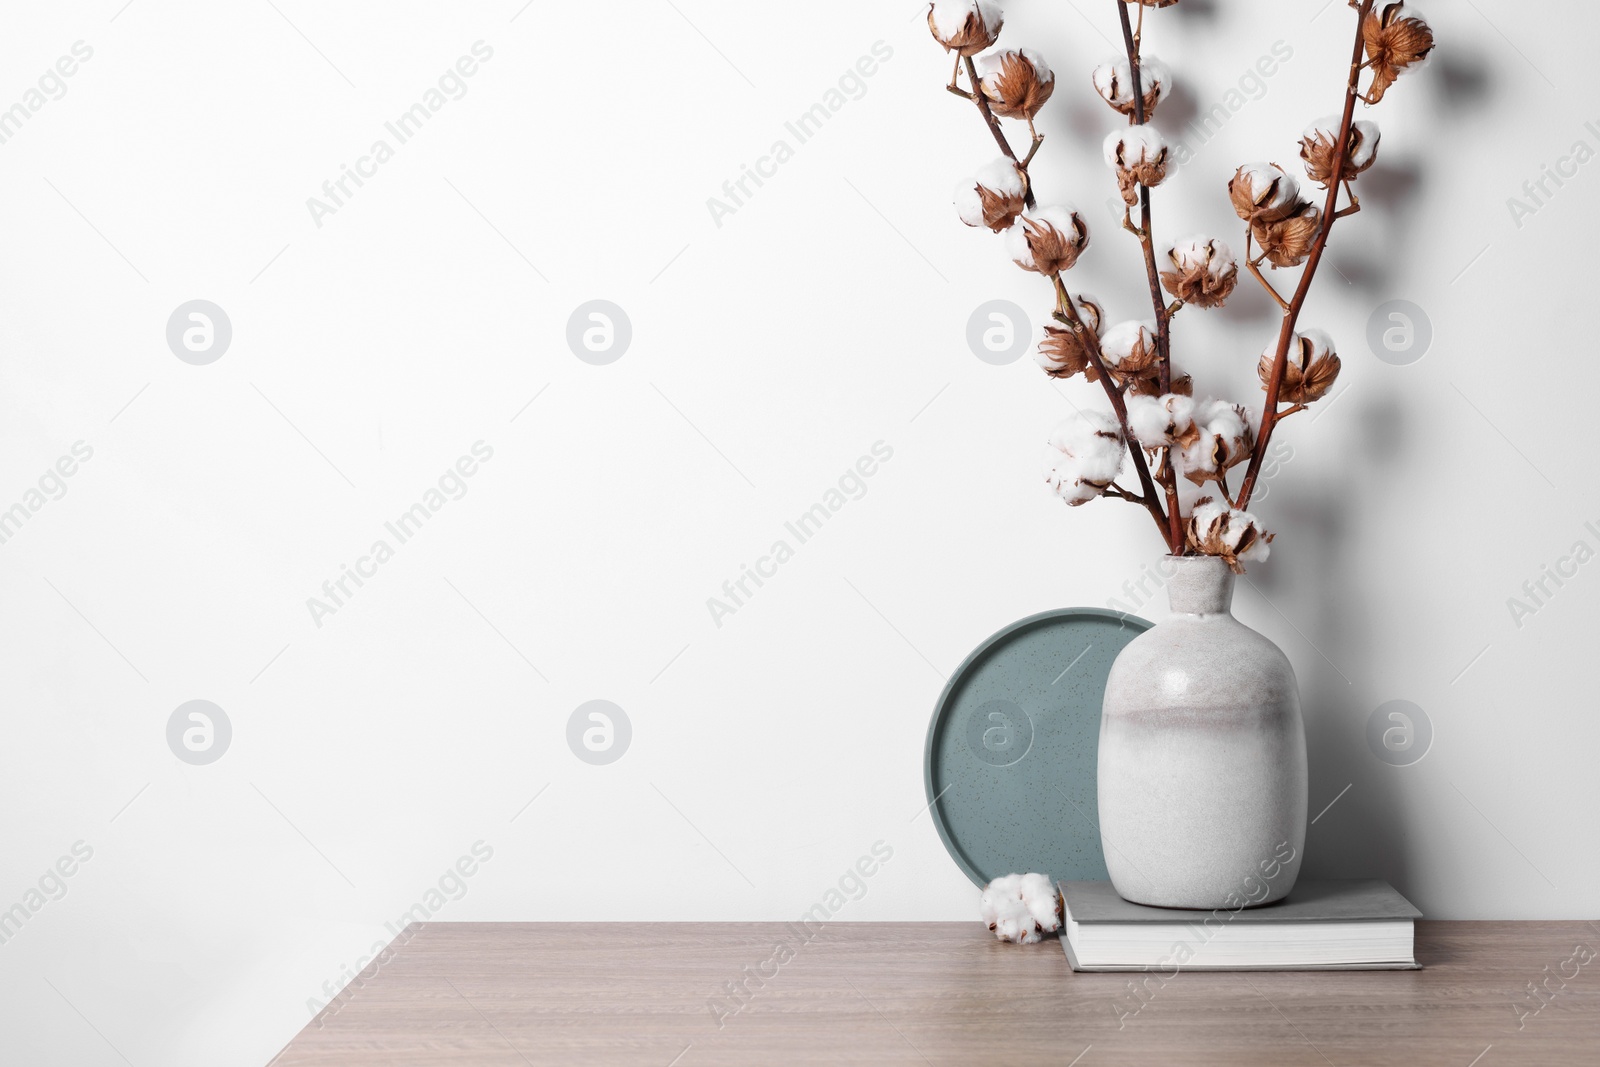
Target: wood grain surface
x=654 y=995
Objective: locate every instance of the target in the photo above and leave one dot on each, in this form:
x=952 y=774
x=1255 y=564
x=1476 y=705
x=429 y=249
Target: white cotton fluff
x=1020 y=907
x=1327 y=128
x=1207 y=516
x=1121 y=339
x=1088 y=306
x=1089 y=310
x=989 y=64
x=1367 y=147
x=1083 y=456
x=1059 y=216
x=1153 y=420
x=999 y=176
x=1114 y=80
x=950 y=15
x=1133 y=145
x=1321 y=343
x=1215 y=418
x=1202 y=251
x=1261 y=176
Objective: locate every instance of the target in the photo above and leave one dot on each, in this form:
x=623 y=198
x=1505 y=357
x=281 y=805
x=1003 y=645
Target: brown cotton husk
x=1305 y=379
x=1066 y=349
x=1000 y=210
x=1288 y=241
x=1253 y=208
x=1318 y=154
x=1198 y=283
x=1212 y=540
x=1053 y=251
x=1148 y=174
x=1016 y=91
x=1394 y=41
x=1066 y=352
x=1118 y=89
x=972 y=38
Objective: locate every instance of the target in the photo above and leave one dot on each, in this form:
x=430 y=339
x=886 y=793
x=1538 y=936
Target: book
x=1320 y=925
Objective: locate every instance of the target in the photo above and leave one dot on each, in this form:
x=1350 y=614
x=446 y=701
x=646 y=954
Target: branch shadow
x=1369 y=831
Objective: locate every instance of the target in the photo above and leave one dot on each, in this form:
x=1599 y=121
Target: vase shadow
x=1363 y=831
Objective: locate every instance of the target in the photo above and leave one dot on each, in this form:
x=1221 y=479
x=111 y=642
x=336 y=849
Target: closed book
x=1320 y=925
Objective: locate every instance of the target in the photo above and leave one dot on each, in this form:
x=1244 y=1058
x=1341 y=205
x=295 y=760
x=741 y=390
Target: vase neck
x=1203 y=585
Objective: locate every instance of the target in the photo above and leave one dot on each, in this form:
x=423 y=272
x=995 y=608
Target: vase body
x=1202 y=765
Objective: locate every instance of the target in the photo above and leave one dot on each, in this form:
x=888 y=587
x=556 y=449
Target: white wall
x=769 y=352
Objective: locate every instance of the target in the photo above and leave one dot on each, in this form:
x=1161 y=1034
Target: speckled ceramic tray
x=1010 y=760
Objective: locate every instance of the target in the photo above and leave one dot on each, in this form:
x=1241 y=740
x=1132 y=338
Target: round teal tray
x=1012 y=748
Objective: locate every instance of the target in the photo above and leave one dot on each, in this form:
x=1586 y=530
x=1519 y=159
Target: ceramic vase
x=1202 y=763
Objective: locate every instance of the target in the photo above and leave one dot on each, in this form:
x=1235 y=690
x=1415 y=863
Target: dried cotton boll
x=1021 y=908
x=1083 y=456
x=1203 y=271
x=1310 y=370
x=1287 y=242
x=993 y=197
x=1215 y=529
x=1147 y=420
x=1263 y=192
x=1317 y=148
x=1129 y=348
x=1139 y=156
x=1114 y=82
x=1224 y=439
x=1017 y=83
x=1397 y=40
x=1062 y=352
x=965 y=26
x=1162 y=422
x=1049 y=240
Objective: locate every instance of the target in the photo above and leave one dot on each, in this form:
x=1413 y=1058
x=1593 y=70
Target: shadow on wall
x=1457 y=88
x=1198 y=11
x=1371 y=836
x=1375 y=838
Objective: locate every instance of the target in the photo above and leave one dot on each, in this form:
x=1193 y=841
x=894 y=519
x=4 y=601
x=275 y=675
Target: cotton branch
x=1091 y=344
x=1291 y=316
x=1147 y=242
x=999 y=134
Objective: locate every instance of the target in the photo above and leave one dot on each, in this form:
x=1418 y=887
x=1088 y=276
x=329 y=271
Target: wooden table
x=654 y=995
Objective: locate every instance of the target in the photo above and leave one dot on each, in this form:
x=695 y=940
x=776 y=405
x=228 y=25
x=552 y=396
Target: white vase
x=1202 y=766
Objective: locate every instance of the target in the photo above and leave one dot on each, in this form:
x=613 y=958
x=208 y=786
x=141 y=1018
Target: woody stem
x=994 y=128
x=1152 y=276
x=1091 y=344
x=1282 y=303
x=1291 y=315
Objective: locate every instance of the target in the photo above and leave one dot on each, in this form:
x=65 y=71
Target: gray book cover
x=1337 y=901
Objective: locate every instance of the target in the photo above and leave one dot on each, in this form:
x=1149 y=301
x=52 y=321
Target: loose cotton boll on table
x=1021 y=907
